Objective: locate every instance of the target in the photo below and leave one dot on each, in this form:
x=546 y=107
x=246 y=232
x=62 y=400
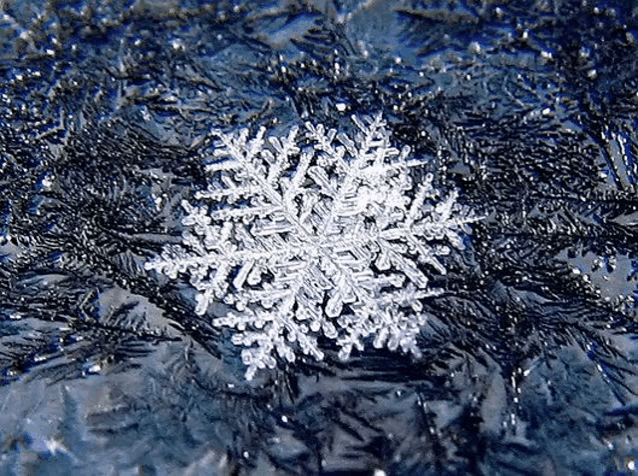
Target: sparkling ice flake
x=316 y=233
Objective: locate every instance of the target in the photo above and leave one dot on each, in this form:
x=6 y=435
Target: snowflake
x=315 y=233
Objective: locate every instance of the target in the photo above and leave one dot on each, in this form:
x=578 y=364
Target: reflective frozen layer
x=520 y=114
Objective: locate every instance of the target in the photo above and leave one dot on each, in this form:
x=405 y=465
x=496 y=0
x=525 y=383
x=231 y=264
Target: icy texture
x=289 y=223
x=529 y=358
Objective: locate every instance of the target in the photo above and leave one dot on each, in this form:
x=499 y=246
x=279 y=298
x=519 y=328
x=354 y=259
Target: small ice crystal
x=316 y=233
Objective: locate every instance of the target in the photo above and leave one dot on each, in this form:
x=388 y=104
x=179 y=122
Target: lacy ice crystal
x=315 y=233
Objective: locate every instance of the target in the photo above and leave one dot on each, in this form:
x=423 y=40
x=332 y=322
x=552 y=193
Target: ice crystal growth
x=315 y=233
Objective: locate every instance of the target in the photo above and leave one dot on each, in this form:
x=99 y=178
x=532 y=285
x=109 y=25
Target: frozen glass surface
x=321 y=237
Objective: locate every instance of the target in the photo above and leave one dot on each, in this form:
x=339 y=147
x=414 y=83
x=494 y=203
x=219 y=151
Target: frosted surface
x=318 y=237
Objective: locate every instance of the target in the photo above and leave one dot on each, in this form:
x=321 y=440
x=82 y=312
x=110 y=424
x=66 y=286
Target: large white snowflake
x=315 y=233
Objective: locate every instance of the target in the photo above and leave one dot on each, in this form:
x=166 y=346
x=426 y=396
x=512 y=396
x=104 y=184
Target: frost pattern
x=315 y=233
